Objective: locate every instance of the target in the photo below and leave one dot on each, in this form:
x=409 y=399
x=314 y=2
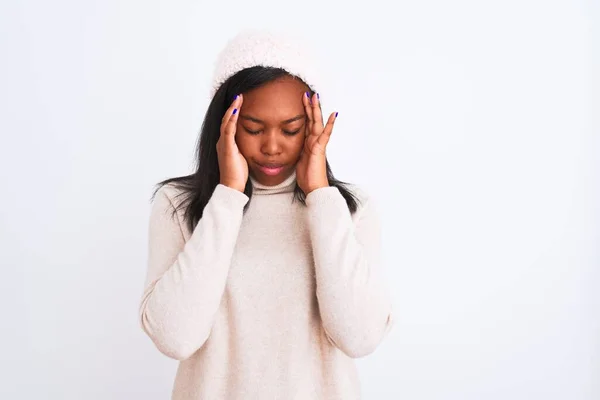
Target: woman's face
x=271 y=129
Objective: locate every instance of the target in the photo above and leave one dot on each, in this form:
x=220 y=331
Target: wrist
x=316 y=187
x=233 y=186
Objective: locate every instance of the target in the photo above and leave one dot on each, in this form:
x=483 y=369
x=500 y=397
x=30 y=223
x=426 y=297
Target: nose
x=270 y=145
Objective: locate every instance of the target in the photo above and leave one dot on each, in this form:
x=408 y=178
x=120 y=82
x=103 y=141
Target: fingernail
x=236 y=96
x=318 y=97
x=307 y=95
x=235 y=110
x=336 y=114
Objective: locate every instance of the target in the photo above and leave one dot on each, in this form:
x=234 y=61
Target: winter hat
x=254 y=47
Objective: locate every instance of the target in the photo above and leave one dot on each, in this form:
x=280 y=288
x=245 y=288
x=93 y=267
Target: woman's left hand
x=311 y=169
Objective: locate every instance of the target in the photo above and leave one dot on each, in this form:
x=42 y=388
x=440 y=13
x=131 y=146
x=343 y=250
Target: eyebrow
x=287 y=121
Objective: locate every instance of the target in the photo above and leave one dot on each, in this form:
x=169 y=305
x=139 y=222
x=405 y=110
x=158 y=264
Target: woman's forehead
x=276 y=101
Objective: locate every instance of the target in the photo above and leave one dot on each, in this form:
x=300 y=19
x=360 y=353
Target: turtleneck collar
x=286 y=186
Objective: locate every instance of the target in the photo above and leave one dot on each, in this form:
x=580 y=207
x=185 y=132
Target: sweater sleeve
x=355 y=308
x=186 y=280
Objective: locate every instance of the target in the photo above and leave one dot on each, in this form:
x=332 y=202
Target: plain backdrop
x=472 y=124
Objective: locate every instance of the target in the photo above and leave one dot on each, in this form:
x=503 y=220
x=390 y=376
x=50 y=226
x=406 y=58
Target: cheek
x=298 y=142
x=244 y=143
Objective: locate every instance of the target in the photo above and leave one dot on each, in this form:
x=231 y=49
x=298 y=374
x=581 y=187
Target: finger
x=229 y=122
x=235 y=105
x=317 y=115
x=308 y=111
x=324 y=137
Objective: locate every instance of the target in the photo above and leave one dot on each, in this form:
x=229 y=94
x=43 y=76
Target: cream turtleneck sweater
x=269 y=304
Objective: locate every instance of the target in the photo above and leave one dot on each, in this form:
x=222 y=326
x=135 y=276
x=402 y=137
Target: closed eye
x=252 y=132
x=289 y=133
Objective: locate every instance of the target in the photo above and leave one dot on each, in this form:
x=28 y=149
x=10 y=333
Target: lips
x=271 y=169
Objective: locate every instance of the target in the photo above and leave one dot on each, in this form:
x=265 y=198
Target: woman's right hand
x=233 y=166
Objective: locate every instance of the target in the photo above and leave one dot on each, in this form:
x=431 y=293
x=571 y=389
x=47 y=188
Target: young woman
x=264 y=270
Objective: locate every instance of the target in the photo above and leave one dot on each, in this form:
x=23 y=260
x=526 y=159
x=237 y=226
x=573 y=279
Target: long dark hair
x=197 y=188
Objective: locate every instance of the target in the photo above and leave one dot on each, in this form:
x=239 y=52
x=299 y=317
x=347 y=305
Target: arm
x=186 y=280
x=354 y=305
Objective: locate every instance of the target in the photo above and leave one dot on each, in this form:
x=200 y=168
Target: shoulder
x=361 y=194
x=166 y=204
x=169 y=195
x=364 y=199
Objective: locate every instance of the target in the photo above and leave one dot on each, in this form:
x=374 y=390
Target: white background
x=469 y=121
